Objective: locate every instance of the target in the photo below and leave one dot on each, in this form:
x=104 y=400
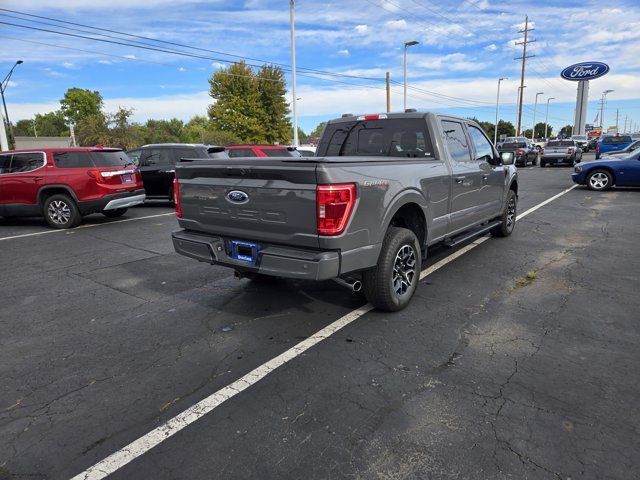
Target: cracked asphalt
x=518 y=360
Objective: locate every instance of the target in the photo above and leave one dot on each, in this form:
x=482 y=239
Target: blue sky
x=465 y=45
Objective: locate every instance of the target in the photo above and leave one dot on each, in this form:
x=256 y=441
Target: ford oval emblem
x=237 y=196
x=585 y=71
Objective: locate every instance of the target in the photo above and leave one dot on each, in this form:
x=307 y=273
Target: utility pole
x=495 y=128
x=617 y=113
x=4 y=144
x=535 y=107
x=625 y=124
x=388 y=92
x=524 y=63
x=293 y=74
x=546 y=118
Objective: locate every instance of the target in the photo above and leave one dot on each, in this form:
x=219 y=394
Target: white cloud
x=182 y=69
x=396 y=24
x=344 y=52
x=361 y=28
x=218 y=65
x=130 y=56
x=105 y=62
x=11 y=83
x=491 y=48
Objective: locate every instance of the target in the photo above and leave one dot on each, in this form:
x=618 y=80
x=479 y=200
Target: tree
x=93 y=130
x=272 y=88
x=79 y=104
x=506 y=128
x=315 y=133
x=24 y=128
x=566 y=131
x=540 y=130
x=237 y=110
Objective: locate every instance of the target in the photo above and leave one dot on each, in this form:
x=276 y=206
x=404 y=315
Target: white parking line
x=138 y=447
x=91 y=225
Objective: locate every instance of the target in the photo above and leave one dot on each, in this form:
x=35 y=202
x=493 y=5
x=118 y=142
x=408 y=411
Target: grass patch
x=528 y=279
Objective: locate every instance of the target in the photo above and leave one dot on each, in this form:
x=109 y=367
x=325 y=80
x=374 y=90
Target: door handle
x=37 y=179
x=459 y=179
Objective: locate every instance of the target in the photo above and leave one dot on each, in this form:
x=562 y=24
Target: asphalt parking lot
x=518 y=359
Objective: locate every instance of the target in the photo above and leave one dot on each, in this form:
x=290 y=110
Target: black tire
x=599 y=180
x=118 y=212
x=390 y=285
x=60 y=211
x=508 y=217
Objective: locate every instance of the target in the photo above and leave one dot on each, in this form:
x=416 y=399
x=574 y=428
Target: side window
x=72 y=160
x=134 y=155
x=241 y=152
x=179 y=153
x=456 y=141
x=156 y=156
x=25 y=162
x=5 y=163
x=484 y=150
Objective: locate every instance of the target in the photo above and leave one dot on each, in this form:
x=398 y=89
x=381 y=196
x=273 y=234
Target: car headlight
x=578 y=168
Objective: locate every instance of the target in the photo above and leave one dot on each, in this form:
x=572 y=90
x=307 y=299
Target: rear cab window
x=280 y=152
x=394 y=137
x=616 y=140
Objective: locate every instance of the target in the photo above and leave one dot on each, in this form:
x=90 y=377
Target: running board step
x=463 y=237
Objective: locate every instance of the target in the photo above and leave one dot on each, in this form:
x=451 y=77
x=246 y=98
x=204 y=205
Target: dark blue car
x=603 y=174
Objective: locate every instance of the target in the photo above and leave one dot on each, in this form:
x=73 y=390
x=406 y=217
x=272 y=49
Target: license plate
x=126 y=178
x=245 y=251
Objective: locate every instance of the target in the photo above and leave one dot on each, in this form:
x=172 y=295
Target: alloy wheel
x=599 y=180
x=59 y=212
x=511 y=213
x=404 y=270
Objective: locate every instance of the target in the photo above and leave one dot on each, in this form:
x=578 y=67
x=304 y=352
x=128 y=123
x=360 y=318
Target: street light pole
x=406 y=45
x=546 y=117
x=535 y=106
x=4 y=144
x=3 y=87
x=293 y=74
x=495 y=129
x=604 y=99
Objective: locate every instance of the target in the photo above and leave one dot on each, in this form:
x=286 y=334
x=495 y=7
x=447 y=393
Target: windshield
x=579 y=137
x=396 y=137
x=281 y=152
x=110 y=159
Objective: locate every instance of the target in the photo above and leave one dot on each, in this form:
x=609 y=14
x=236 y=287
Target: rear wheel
x=60 y=211
x=599 y=180
x=118 y=212
x=508 y=217
x=390 y=285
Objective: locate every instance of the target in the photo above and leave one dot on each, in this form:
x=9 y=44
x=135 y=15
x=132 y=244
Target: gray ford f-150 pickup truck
x=381 y=190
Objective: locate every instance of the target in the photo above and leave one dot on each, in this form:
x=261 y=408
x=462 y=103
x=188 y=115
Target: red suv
x=262 y=151
x=63 y=184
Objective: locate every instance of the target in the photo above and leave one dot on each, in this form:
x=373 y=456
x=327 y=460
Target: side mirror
x=507 y=158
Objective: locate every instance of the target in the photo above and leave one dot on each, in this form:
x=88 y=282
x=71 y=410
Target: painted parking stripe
x=45 y=232
x=138 y=447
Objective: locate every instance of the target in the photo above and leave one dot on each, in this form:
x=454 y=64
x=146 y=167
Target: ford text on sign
x=585 y=71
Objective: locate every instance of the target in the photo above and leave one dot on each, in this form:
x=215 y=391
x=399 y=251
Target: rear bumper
x=112 y=202
x=278 y=261
x=125 y=202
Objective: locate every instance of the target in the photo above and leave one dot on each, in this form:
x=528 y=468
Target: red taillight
x=334 y=206
x=520 y=152
x=176 y=197
x=570 y=151
x=542 y=151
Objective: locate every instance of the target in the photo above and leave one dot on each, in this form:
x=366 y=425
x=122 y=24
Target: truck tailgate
x=274 y=199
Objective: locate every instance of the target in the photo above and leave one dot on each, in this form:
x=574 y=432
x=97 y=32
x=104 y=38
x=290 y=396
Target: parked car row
x=64 y=184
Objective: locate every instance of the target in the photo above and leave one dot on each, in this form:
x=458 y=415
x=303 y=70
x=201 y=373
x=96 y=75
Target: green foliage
x=79 y=104
x=249 y=105
x=539 y=129
x=506 y=128
x=316 y=132
x=566 y=131
x=272 y=89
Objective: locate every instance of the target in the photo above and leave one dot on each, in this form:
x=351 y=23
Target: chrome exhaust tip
x=349 y=283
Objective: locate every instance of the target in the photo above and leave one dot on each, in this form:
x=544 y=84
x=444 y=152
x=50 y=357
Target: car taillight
x=570 y=151
x=520 y=152
x=542 y=151
x=176 y=197
x=334 y=206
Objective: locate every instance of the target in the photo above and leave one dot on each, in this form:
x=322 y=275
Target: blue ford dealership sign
x=585 y=71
